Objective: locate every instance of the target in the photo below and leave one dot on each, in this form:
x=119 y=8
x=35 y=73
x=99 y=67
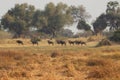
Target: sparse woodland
x=34 y=45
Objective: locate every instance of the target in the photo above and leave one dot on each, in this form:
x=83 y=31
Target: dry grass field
x=47 y=62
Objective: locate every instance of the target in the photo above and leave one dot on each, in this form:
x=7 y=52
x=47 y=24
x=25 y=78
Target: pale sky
x=93 y=7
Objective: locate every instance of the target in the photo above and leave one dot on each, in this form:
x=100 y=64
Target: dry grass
x=103 y=69
x=95 y=38
x=44 y=62
x=104 y=42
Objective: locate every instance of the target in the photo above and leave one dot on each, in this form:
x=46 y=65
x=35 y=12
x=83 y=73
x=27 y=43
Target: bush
x=116 y=36
x=104 y=42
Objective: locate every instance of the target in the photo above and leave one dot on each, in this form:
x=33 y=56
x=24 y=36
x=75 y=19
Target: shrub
x=116 y=36
x=104 y=42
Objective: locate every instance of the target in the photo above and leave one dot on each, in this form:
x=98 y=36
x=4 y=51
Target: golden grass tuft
x=115 y=56
x=55 y=54
x=98 y=62
x=103 y=68
x=102 y=72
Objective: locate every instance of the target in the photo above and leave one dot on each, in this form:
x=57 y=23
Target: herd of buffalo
x=60 y=42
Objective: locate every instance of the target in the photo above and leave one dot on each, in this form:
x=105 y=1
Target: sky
x=93 y=7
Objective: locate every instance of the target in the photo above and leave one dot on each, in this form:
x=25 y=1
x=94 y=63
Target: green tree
x=113 y=15
x=18 y=19
x=81 y=16
x=112 y=7
x=83 y=25
x=79 y=13
x=55 y=18
x=39 y=19
x=100 y=24
x=116 y=36
x=111 y=18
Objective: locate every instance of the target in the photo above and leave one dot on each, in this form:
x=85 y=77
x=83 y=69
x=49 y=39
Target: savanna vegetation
x=57 y=62
x=34 y=44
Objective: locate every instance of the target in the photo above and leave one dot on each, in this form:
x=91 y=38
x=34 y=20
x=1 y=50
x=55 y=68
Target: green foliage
x=83 y=25
x=100 y=24
x=113 y=15
x=55 y=18
x=18 y=19
x=65 y=33
x=111 y=6
x=79 y=13
x=116 y=36
x=51 y=20
x=111 y=18
x=38 y=19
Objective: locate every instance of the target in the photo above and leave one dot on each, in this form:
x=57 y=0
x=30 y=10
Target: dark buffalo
x=71 y=42
x=50 y=42
x=61 y=42
x=80 y=42
x=83 y=43
x=77 y=42
x=19 y=42
x=34 y=41
x=58 y=42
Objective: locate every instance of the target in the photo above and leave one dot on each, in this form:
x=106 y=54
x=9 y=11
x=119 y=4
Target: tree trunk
x=53 y=34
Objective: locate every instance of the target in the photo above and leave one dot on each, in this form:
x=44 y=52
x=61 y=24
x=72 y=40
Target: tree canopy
x=109 y=19
x=100 y=24
x=55 y=17
x=83 y=25
x=113 y=15
x=81 y=16
x=18 y=19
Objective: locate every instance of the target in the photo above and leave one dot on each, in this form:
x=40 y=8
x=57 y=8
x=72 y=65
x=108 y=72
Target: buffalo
x=50 y=42
x=71 y=42
x=34 y=41
x=77 y=42
x=61 y=42
x=19 y=42
x=83 y=43
x=80 y=42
